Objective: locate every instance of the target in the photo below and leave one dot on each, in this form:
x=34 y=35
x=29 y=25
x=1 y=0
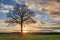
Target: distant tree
x=20 y=14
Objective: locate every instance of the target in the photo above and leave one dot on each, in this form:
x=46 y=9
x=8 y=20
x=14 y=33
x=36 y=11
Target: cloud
x=53 y=10
x=49 y=6
x=35 y=4
x=6 y=6
x=39 y=4
x=18 y=1
x=40 y=24
x=52 y=6
x=4 y=11
x=58 y=0
x=57 y=23
x=55 y=14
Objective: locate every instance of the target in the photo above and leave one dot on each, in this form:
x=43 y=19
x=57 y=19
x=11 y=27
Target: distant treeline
x=38 y=33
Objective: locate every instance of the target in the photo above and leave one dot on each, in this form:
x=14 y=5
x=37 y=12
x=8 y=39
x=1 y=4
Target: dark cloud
x=57 y=23
x=58 y=1
x=55 y=13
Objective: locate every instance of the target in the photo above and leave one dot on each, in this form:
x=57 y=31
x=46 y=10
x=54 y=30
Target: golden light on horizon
x=25 y=29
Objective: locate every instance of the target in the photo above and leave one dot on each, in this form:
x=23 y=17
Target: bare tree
x=20 y=14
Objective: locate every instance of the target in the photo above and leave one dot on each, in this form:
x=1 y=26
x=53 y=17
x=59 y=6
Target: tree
x=20 y=14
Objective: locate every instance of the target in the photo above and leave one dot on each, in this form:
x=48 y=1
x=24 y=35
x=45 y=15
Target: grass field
x=29 y=37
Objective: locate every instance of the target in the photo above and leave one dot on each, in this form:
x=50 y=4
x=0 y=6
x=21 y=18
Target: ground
x=29 y=37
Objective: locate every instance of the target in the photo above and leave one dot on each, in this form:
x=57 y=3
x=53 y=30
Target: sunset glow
x=24 y=30
x=46 y=16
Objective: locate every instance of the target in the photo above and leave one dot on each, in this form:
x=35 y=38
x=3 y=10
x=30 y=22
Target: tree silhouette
x=20 y=14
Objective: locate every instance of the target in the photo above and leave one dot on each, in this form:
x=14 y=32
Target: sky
x=47 y=11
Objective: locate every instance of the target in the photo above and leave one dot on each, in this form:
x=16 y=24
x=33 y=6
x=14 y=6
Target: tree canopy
x=20 y=13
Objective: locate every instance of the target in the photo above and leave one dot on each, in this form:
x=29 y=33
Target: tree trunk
x=21 y=27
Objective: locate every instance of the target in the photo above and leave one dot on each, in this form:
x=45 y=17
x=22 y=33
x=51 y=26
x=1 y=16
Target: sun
x=24 y=30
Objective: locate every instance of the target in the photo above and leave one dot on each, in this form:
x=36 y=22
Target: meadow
x=29 y=37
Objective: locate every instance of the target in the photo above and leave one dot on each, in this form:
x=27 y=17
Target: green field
x=29 y=37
